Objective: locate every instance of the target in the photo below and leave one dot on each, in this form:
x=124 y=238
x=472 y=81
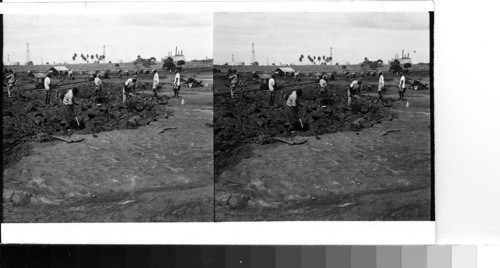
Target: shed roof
x=60 y=68
x=286 y=70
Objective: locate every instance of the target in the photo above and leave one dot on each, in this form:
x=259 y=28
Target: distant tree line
x=397 y=68
x=144 y=62
x=87 y=58
x=169 y=64
x=319 y=59
x=372 y=64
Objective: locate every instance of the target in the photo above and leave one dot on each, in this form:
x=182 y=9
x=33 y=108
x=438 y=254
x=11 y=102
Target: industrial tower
x=27 y=52
x=104 y=51
x=253 y=55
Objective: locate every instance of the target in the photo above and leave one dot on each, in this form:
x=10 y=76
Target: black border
x=431 y=88
x=1 y=123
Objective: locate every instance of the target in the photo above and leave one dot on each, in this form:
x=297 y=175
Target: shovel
x=290 y=142
x=74 y=140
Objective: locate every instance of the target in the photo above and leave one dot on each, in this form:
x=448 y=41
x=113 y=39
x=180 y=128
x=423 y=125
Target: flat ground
x=381 y=171
x=130 y=174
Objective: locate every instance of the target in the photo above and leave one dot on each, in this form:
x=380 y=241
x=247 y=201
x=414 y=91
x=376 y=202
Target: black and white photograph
x=323 y=116
x=107 y=118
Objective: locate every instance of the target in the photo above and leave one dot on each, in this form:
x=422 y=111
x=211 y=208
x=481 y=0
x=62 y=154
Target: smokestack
x=403 y=53
x=175 y=50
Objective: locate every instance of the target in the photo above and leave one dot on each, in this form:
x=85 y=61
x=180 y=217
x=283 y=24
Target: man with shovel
x=354 y=90
x=47 y=84
x=156 y=83
x=381 y=84
x=322 y=86
x=292 y=104
x=401 y=87
x=177 y=84
x=272 y=88
x=234 y=81
x=11 y=82
x=128 y=87
x=98 y=87
x=69 y=107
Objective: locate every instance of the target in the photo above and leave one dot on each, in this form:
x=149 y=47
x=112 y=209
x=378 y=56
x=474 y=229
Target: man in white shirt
x=381 y=85
x=272 y=88
x=47 y=84
x=322 y=85
x=292 y=104
x=98 y=87
x=98 y=83
x=128 y=87
x=355 y=87
x=177 y=84
x=353 y=90
x=297 y=75
x=69 y=106
x=401 y=87
x=156 y=82
x=234 y=81
x=11 y=82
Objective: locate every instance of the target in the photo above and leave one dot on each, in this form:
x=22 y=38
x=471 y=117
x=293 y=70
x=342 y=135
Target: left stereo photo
x=107 y=118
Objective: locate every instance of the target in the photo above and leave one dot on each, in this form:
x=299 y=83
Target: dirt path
x=379 y=173
x=122 y=175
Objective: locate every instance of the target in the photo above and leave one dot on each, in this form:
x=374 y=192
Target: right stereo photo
x=323 y=116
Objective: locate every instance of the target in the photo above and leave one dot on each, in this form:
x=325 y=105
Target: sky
x=283 y=37
x=57 y=38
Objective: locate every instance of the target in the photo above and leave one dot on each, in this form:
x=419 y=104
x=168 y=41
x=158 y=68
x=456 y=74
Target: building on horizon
x=403 y=60
x=178 y=56
x=235 y=63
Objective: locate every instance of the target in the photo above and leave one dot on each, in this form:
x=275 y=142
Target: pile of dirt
x=241 y=123
x=28 y=118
